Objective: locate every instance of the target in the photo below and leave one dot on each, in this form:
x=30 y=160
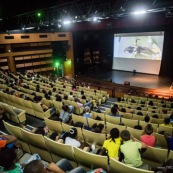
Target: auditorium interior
x=87 y=57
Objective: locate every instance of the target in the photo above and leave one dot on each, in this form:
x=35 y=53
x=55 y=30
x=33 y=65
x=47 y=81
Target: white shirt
x=73 y=142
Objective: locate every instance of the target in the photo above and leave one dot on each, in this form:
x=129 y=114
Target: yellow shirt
x=167 y=125
x=112 y=147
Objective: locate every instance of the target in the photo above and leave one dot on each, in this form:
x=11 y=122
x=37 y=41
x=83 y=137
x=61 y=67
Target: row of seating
x=132 y=97
x=13 y=113
x=53 y=151
x=132 y=120
x=98 y=140
x=153 y=109
x=31 y=108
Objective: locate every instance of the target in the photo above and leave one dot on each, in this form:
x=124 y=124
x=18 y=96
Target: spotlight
x=139 y=12
x=95 y=19
x=66 y=22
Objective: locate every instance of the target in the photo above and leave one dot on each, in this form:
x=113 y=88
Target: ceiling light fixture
x=139 y=12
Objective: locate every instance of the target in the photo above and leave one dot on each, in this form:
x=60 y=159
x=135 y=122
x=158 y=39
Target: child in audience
x=148 y=138
x=130 y=149
x=7 y=161
x=36 y=166
x=166 y=122
x=87 y=113
x=169 y=139
x=65 y=115
x=114 y=112
x=5 y=140
x=112 y=145
x=147 y=119
x=71 y=138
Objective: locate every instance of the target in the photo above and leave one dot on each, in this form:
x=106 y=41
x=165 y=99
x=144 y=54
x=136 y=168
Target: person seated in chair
x=87 y=113
x=71 y=139
x=166 y=122
x=36 y=166
x=7 y=161
x=148 y=138
x=111 y=146
x=65 y=115
x=6 y=140
x=114 y=112
x=130 y=149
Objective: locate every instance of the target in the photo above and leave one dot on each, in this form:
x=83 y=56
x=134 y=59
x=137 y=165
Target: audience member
x=6 y=139
x=112 y=145
x=148 y=138
x=7 y=161
x=65 y=115
x=166 y=122
x=147 y=119
x=114 y=112
x=169 y=139
x=130 y=149
x=71 y=138
x=87 y=113
x=36 y=166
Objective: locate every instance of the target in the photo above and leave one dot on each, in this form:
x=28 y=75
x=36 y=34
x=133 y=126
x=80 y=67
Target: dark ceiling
x=9 y=8
x=17 y=13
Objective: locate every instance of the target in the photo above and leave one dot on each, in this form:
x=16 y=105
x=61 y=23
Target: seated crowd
x=120 y=145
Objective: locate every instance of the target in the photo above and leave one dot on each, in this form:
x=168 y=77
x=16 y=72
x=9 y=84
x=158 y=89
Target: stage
x=135 y=79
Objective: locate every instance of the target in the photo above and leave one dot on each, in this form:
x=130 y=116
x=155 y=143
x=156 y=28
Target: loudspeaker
x=126 y=83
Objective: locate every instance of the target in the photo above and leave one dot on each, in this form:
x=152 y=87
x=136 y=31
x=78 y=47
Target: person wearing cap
x=71 y=138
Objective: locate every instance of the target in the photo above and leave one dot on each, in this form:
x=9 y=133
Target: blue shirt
x=87 y=115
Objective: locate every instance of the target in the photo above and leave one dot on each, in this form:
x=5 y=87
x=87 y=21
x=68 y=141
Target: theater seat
x=59 y=150
x=14 y=114
x=37 y=145
x=119 y=167
x=16 y=131
x=90 y=160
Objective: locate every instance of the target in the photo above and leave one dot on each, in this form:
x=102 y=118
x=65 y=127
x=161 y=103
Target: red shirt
x=149 y=140
x=3 y=143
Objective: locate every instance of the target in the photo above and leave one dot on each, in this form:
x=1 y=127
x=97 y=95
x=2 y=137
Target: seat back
x=57 y=105
x=53 y=125
x=37 y=144
x=138 y=117
x=112 y=119
x=160 y=140
x=96 y=114
x=58 y=149
x=119 y=167
x=90 y=160
x=91 y=122
x=110 y=126
x=95 y=138
x=135 y=133
x=169 y=130
x=155 y=156
x=129 y=123
x=77 y=118
x=66 y=127
x=16 y=131
x=37 y=107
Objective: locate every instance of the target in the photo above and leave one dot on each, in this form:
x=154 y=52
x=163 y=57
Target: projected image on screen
x=138 y=47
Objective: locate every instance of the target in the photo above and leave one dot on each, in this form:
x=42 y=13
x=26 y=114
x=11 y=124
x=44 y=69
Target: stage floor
x=137 y=79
